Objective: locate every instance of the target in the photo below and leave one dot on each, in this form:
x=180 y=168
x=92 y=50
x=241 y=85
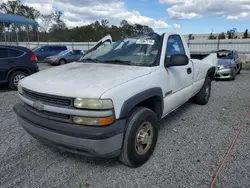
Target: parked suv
x=16 y=63
x=48 y=50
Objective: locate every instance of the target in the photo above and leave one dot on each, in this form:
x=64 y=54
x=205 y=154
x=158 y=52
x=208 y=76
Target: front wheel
x=239 y=69
x=15 y=78
x=203 y=96
x=233 y=75
x=62 y=62
x=140 y=137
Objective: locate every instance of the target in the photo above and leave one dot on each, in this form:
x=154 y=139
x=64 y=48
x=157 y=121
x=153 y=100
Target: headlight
x=93 y=121
x=94 y=104
x=20 y=89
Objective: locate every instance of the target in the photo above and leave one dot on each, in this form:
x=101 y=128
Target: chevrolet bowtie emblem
x=38 y=105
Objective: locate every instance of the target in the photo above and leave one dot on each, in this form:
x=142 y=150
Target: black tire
x=13 y=79
x=233 y=76
x=129 y=154
x=240 y=69
x=62 y=62
x=203 y=96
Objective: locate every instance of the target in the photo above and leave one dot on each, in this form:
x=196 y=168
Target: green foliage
x=231 y=33
x=245 y=36
x=222 y=35
x=190 y=37
x=212 y=37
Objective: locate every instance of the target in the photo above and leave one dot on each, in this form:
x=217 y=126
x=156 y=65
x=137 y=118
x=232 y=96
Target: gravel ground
x=192 y=142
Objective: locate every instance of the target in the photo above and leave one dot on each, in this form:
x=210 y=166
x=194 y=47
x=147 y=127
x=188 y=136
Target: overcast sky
x=184 y=16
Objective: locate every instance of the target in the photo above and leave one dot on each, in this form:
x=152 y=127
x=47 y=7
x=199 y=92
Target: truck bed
x=210 y=59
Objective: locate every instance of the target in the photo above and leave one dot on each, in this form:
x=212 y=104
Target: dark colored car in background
x=64 y=57
x=16 y=62
x=229 y=64
x=48 y=50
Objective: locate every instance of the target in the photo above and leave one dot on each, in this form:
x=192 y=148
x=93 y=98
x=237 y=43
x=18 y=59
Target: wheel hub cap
x=207 y=92
x=144 y=138
x=17 y=78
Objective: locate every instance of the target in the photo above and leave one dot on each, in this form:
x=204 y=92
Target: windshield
x=139 y=50
x=64 y=52
x=225 y=55
x=224 y=62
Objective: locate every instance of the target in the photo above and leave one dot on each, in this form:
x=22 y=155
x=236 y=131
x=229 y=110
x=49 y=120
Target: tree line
x=55 y=30
x=230 y=34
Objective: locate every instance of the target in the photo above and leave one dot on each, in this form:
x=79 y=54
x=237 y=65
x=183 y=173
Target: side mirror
x=177 y=60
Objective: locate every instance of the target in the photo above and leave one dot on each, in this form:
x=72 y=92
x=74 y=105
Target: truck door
x=180 y=77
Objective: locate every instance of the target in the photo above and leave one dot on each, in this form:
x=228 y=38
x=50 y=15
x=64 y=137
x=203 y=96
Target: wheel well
x=211 y=73
x=63 y=59
x=16 y=70
x=153 y=103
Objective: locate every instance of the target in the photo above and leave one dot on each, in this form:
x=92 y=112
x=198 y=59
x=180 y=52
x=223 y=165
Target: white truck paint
x=120 y=83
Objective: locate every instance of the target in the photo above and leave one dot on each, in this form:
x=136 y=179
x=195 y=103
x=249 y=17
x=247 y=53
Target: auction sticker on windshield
x=145 y=41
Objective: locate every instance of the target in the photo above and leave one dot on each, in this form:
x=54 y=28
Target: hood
x=225 y=62
x=79 y=79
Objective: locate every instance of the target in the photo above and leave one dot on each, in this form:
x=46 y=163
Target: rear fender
x=17 y=69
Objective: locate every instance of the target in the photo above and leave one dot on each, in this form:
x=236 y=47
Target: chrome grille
x=48 y=99
x=47 y=113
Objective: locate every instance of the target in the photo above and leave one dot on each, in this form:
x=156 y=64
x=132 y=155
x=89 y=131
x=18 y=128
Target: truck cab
x=109 y=103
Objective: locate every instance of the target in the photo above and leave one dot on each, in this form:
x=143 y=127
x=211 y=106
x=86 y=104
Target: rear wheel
x=62 y=61
x=203 y=96
x=15 y=78
x=140 y=137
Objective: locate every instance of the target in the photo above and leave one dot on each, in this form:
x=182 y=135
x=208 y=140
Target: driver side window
x=174 y=46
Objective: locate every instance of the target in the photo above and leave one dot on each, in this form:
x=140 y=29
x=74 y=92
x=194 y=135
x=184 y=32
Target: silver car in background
x=229 y=64
x=64 y=57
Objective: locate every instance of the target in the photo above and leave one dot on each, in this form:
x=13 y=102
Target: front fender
x=133 y=101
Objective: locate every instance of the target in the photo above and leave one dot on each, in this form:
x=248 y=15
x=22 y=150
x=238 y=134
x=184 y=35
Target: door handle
x=189 y=70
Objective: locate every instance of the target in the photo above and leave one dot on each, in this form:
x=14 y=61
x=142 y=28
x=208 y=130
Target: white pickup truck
x=109 y=103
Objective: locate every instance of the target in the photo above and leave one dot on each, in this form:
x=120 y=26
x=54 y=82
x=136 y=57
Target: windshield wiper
x=89 y=59
x=117 y=61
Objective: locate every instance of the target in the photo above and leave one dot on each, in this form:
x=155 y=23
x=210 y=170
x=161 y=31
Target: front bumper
x=224 y=73
x=90 y=141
